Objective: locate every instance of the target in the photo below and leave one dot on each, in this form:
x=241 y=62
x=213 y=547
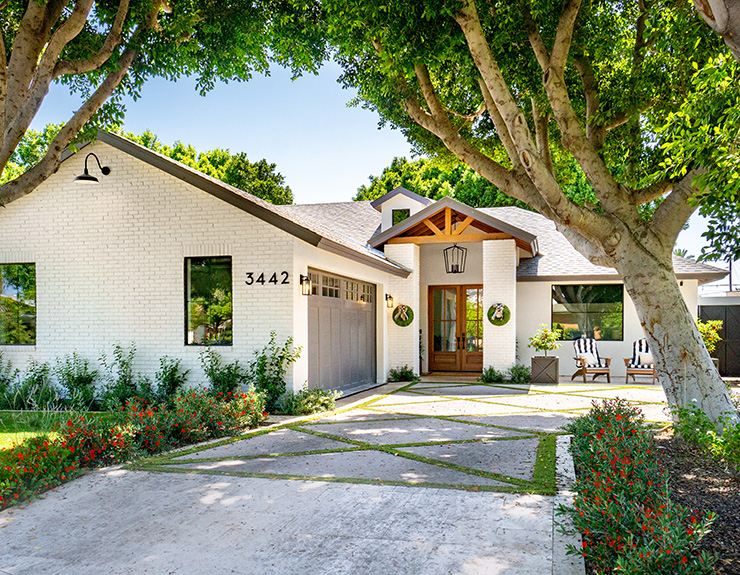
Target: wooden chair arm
x=608 y=360
x=627 y=361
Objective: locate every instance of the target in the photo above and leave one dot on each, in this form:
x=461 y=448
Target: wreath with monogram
x=403 y=315
x=499 y=314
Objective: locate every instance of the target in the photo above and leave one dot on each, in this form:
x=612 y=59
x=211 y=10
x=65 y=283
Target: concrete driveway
x=430 y=478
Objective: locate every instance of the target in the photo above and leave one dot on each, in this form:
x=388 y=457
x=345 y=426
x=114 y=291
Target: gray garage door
x=341 y=333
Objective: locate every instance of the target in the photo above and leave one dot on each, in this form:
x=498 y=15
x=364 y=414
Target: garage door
x=341 y=333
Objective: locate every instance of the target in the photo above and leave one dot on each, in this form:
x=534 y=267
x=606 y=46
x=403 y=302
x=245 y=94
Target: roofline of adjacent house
x=376 y=203
x=448 y=202
x=236 y=198
x=702 y=277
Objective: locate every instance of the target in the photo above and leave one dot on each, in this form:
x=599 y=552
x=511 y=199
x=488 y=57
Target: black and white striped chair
x=588 y=361
x=641 y=362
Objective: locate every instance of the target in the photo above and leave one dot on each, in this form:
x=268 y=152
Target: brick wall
x=499 y=286
x=110 y=264
x=403 y=342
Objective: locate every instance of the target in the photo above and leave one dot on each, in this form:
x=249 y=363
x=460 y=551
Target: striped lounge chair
x=588 y=361
x=641 y=362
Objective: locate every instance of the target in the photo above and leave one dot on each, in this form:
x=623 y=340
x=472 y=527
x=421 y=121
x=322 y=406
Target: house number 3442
x=275 y=279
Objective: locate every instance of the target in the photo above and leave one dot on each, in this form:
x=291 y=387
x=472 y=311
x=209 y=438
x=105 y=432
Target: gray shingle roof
x=358 y=221
x=558 y=258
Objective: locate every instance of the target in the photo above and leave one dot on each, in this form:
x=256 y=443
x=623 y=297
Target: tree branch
x=542 y=135
x=112 y=40
x=670 y=217
x=498 y=123
x=652 y=192
x=33 y=34
x=723 y=16
x=595 y=134
x=564 y=35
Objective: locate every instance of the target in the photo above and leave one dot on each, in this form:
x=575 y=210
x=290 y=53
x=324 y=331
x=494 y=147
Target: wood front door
x=456 y=328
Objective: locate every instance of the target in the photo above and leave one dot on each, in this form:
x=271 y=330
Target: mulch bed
x=698 y=482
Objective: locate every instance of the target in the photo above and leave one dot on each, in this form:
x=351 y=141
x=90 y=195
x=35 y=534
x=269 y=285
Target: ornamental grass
x=622 y=505
x=136 y=430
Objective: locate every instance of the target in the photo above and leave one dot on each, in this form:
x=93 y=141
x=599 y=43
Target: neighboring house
x=170 y=259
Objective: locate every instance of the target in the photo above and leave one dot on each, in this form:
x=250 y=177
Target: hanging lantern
x=455 y=257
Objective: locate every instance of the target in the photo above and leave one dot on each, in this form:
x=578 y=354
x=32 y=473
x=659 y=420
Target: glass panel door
x=443 y=318
x=472 y=356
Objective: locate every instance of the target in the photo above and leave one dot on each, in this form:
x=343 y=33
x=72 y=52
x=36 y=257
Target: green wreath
x=505 y=314
x=403 y=315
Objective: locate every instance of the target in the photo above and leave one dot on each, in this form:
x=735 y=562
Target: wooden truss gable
x=450 y=226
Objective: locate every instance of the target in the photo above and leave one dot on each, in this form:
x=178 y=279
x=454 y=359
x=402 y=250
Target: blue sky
x=324 y=148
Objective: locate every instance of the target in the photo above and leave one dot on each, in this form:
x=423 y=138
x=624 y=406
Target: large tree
x=628 y=90
x=105 y=49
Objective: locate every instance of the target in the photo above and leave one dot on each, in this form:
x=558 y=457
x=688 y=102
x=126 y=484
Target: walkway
x=406 y=479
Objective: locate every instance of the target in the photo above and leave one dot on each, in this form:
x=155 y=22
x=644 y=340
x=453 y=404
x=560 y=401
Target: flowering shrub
x=623 y=508
x=136 y=429
x=37 y=464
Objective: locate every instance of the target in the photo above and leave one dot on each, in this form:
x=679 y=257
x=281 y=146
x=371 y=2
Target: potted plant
x=545 y=369
x=709 y=331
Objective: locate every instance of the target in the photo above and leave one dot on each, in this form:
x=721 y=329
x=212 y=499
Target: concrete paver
x=419 y=430
x=512 y=458
x=360 y=465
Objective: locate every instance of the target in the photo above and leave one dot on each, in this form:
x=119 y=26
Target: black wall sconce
x=389 y=301
x=86 y=178
x=305 y=285
x=455 y=257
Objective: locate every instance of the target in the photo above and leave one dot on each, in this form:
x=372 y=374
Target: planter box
x=545 y=369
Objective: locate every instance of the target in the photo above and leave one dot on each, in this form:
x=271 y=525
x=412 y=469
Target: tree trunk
x=684 y=366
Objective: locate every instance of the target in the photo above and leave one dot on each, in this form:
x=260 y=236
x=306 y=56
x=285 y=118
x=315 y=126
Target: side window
x=400 y=215
x=208 y=286
x=17 y=304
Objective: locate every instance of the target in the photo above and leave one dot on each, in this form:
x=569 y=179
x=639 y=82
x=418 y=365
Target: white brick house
x=123 y=261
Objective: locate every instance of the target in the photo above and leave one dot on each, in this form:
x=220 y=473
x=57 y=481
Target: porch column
x=403 y=342
x=499 y=286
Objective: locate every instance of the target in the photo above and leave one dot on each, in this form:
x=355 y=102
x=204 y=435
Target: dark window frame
x=186 y=298
x=553 y=323
x=405 y=211
x=35 y=306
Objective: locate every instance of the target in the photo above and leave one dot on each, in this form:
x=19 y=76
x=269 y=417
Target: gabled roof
x=316 y=231
x=461 y=212
x=403 y=191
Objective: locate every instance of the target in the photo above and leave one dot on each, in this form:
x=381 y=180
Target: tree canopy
x=641 y=96
x=259 y=178
x=105 y=49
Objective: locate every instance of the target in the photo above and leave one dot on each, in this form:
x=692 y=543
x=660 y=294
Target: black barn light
x=305 y=285
x=86 y=178
x=455 y=257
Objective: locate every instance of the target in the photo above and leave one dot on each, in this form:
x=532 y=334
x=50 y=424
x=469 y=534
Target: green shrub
x=491 y=375
x=268 y=369
x=170 y=378
x=35 y=390
x=78 y=380
x=222 y=378
x=308 y=401
x=520 y=374
x=622 y=505
x=694 y=426
x=123 y=384
x=8 y=381
x=404 y=373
